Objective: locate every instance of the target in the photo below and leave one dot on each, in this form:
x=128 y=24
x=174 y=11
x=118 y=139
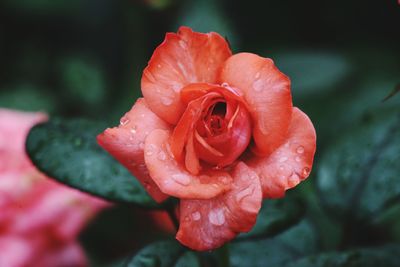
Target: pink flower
x=39 y=219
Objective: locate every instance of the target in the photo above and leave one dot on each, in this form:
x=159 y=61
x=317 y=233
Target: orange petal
x=290 y=163
x=126 y=143
x=208 y=224
x=267 y=93
x=183 y=58
x=173 y=179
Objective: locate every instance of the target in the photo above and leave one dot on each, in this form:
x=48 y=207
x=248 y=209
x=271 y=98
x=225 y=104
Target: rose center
x=216 y=119
x=214 y=130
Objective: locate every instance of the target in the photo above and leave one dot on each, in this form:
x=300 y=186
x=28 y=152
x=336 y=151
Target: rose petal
x=267 y=93
x=126 y=143
x=183 y=58
x=208 y=224
x=290 y=163
x=173 y=179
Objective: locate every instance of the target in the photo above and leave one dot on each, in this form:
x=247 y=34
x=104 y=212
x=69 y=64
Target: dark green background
x=84 y=58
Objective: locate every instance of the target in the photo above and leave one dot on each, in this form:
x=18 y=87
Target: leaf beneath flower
x=66 y=150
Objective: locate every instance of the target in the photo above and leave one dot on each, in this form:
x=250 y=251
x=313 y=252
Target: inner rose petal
x=214 y=130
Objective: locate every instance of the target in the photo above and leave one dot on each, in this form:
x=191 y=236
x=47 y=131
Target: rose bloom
x=216 y=130
x=39 y=218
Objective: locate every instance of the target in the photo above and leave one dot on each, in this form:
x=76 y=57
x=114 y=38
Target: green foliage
x=358 y=174
x=313 y=72
x=383 y=256
x=160 y=254
x=67 y=151
x=276 y=216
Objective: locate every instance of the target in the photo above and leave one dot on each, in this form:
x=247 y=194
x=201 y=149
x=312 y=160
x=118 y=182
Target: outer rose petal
x=267 y=92
x=208 y=224
x=183 y=58
x=290 y=163
x=126 y=143
x=173 y=179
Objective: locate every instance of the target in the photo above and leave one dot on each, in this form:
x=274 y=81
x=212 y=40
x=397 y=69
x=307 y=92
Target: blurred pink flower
x=39 y=218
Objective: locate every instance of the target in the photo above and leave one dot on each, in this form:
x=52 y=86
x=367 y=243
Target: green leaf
x=159 y=254
x=358 y=174
x=385 y=256
x=276 y=215
x=83 y=81
x=298 y=241
x=66 y=150
x=313 y=72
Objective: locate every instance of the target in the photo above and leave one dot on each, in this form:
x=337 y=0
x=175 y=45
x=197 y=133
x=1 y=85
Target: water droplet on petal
x=244 y=193
x=182 y=44
x=196 y=216
x=216 y=217
x=159 y=66
x=166 y=101
x=258 y=85
x=306 y=171
x=300 y=150
x=161 y=156
x=223 y=179
x=187 y=218
x=224 y=84
x=293 y=180
x=150 y=149
x=258 y=74
x=283 y=159
x=181 y=179
x=133 y=130
x=298 y=159
x=123 y=121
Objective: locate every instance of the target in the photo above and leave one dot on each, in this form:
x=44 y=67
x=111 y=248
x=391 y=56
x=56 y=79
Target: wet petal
x=267 y=93
x=183 y=58
x=208 y=224
x=290 y=163
x=126 y=143
x=173 y=179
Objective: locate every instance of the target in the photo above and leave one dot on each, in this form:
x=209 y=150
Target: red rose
x=216 y=130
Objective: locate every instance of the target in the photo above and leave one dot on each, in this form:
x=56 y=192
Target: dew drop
x=293 y=180
x=258 y=85
x=225 y=85
x=283 y=159
x=133 y=130
x=181 y=179
x=150 y=150
x=216 y=217
x=124 y=121
x=196 y=216
x=244 y=193
x=159 y=66
x=306 y=171
x=258 y=74
x=166 y=101
x=182 y=44
x=298 y=159
x=300 y=150
x=187 y=218
x=161 y=156
x=223 y=179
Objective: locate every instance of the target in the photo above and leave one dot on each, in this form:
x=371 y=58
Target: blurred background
x=84 y=58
